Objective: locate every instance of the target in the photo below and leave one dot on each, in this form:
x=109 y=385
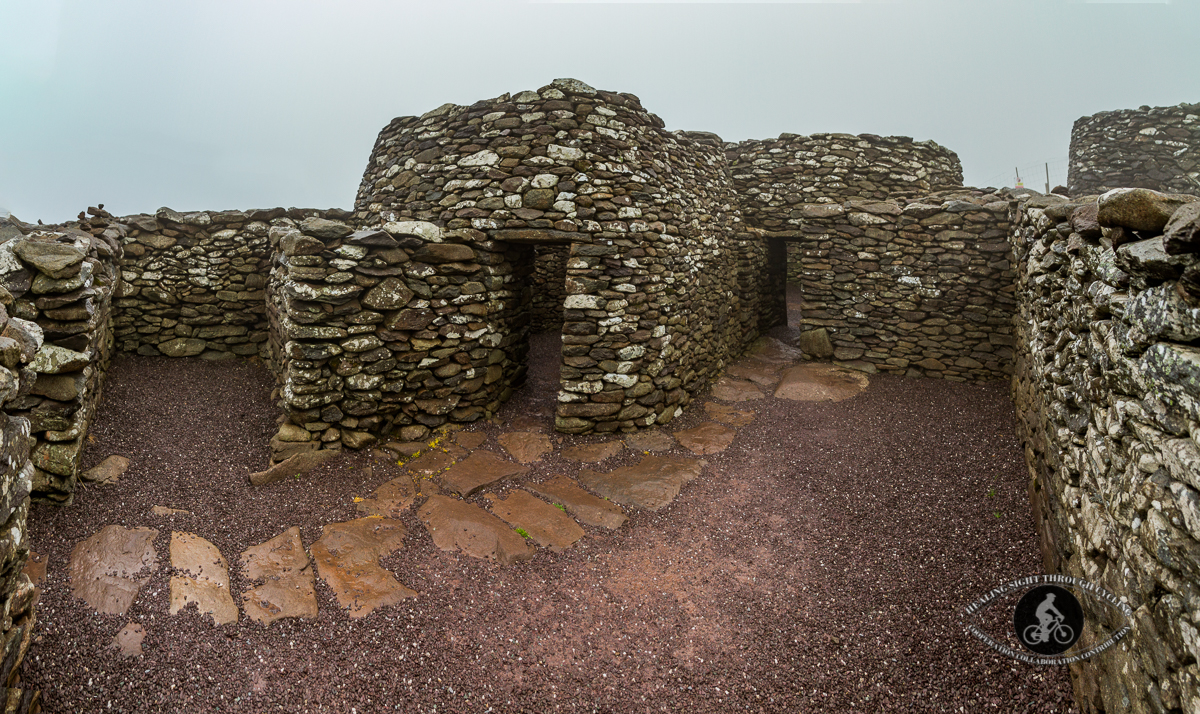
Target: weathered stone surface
x=436 y=253
x=55 y=260
x=292 y=434
x=735 y=390
x=526 y=446
x=1148 y=258
x=109 y=568
x=583 y=505
x=292 y=467
x=347 y=557
x=650 y=440
x=764 y=373
x=182 y=347
x=165 y=511
x=454 y=524
x=708 y=438
x=325 y=228
x=820 y=383
x=592 y=453
x=107 y=471
x=470 y=439
x=129 y=640
x=435 y=460
x=546 y=525
x=1182 y=232
x=1140 y=209
x=207 y=581
x=391 y=499
x=60 y=387
x=728 y=414
x=651 y=483
x=35 y=568
x=390 y=294
x=52 y=359
x=480 y=469
x=286 y=590
x=815 y=343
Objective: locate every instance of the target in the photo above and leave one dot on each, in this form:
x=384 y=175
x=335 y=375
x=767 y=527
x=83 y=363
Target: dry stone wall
x=921 y=286
x=193 y=284
x=30 y=258
x=775 y=177
x=1107 y=391
x=660 y=290
x=1156 y=148
x=61 y=280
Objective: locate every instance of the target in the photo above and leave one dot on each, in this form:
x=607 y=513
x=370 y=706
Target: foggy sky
x=247 y=104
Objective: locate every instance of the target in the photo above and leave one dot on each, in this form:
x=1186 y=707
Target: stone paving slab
x=729 y=415
x=707 y=438
x=526 y=446
x=546 y=525
x=207 y=581
x=434 y=460
x=391 y=499
x=455 y=524
x=347 y=557
x=729 y=389
x=762 y=372
x=470 y=439
x=653 y=440
x=651 y=483
x=480 y=469
x=287 y=578
x=820 y=383
x=109 y=568
x=592 y=453
x=583 y=505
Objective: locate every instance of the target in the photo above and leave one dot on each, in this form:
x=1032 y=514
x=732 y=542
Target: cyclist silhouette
x=1049 y=624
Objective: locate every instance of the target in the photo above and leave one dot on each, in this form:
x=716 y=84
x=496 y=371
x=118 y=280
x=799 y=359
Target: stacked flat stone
x=21 y=343
x=61 y=280
x=774 y=177
x=1107 y=391
x=654 y=303
x=922 y=287
x=548 y=288
x=194 y=283
x=1156 y=148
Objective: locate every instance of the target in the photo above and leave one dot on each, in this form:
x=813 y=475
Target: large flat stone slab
x=391 y=499
x=286 y=576
x=820 y=383
x=293 y=466
x=455 y=524
x=650 y=440
x=207 y=581
x=708 y=438
x=729 y=415
x=583 y=505
x=129 y=640
x=762 y=372
x=651 y=483
x=481 y=468
x=435 y=460
x=347 y=557
x=729 y=389
x=470 y=439
x=109 y=568
x=526 y=446
x=592 y=453
x=548 y=526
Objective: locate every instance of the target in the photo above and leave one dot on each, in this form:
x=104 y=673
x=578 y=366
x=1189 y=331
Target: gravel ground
x=818 y=564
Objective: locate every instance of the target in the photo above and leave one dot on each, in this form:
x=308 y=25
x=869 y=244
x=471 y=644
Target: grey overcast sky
x=249 y=103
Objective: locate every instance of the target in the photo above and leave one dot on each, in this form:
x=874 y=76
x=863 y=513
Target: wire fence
x=1033 y=176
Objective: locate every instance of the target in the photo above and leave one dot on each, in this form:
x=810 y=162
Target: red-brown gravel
x=817 y=565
